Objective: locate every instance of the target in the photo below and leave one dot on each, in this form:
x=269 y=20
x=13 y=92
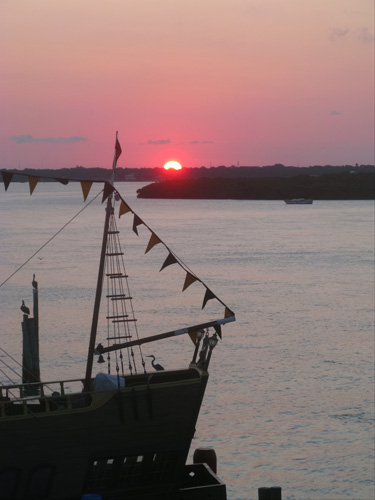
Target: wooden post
x=30 y=364
x=273 y=493
x=206 y=456
x=30 y=346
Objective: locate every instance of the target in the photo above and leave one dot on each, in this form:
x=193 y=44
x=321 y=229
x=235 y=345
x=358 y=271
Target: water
x=290 y=398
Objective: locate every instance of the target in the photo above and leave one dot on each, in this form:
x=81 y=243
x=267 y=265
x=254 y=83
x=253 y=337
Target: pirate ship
x=121 y=435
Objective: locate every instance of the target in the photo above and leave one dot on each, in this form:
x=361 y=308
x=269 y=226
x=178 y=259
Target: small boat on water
x=299 y=201
x=119 y=435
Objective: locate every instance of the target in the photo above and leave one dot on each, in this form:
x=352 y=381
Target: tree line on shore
x=272 y=182
x=344 y=186
x=157 y=174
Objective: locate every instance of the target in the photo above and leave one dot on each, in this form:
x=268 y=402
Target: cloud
x=159 y=141
x=27 y=139
x=201 y=142
x=338 y=33
x=365 y=35
x=335 y=113
x=168 y=141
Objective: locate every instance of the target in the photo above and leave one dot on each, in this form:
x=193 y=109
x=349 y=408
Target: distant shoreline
x=159 y=174
x=344 y=186
x=241 y=183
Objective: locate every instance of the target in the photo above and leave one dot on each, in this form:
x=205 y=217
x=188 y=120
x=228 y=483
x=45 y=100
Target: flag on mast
x=118 y=151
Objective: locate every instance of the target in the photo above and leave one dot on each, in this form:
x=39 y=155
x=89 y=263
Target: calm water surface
x=290 y=399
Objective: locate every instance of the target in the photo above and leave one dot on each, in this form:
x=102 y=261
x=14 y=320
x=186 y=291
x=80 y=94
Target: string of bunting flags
x=124 y=208
x=34 y=179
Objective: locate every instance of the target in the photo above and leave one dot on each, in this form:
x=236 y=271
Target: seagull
x=25 y=309
x=157 y=367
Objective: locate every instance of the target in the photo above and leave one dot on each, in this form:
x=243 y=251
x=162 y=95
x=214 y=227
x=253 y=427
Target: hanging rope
x=11 y=369
x=120 y=313
x=54 y=236
x=14 y=371
x=7 y=376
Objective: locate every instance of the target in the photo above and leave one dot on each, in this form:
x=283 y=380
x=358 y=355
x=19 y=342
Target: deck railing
x=48 y=393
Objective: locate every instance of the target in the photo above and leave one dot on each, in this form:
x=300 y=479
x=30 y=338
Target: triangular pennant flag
x=7 y=177
x=171 y=259
x=118 y=151
x=193 y=336
x=228 y=313
x=86 y=186
x=137 y=222
x=218 y=329
x=124 y=209
x=189 y=280
x=154 y=240
x=63 y=181
x=108 y=189
x=33 y=181
x=208 y=296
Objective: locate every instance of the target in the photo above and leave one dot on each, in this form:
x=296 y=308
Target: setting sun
x=172 y=164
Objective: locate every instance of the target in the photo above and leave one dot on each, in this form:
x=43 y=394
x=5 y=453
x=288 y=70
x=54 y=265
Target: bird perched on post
x=34 y=283
x=156 y=366
x=25 y=309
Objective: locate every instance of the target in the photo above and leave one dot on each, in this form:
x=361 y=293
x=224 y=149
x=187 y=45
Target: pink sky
x=204 y=82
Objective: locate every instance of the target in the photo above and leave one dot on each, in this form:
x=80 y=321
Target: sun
x=175 y=165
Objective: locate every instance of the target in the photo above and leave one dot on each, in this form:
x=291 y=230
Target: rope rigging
x=49 y=241
x=121 y=319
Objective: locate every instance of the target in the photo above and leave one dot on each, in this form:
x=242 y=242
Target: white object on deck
x=105 y=382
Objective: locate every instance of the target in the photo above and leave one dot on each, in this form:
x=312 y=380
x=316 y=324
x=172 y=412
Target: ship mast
x=99 y=285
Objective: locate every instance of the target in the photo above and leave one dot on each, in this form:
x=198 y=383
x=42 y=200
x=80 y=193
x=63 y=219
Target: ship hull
x=128 y=441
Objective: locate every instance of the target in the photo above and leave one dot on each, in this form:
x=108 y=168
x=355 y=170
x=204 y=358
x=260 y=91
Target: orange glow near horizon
x=174 y=165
